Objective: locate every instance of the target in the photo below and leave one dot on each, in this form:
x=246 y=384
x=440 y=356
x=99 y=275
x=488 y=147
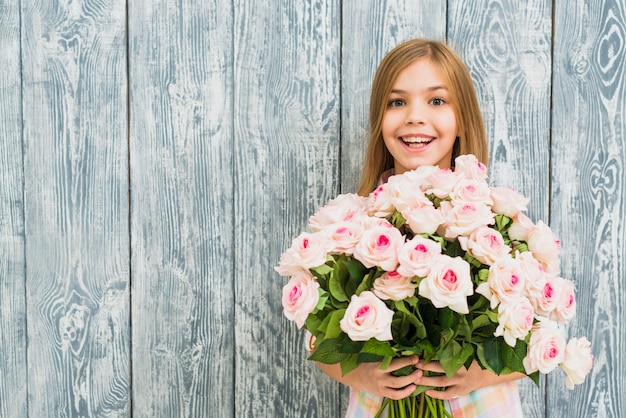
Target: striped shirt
x=491 y=402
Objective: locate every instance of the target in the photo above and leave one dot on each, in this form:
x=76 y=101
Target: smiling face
x=419 y=126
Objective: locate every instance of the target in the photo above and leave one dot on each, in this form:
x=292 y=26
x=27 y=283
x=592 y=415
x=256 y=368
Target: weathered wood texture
x=13 y=390
x=370 y=29
x=168 y=173
x=589 y=194
x=507 y=47
x=76 y=208
x=182 y=217
x=286 y=164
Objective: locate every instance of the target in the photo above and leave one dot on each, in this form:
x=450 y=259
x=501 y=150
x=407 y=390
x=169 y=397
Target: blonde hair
x=471 y=138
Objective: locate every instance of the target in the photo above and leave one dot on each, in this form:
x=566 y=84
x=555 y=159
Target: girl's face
x=419 y=125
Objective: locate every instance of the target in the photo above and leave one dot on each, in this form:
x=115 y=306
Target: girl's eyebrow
x=433 y=88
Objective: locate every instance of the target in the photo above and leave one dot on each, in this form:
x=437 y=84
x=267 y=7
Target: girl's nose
x=415 y=115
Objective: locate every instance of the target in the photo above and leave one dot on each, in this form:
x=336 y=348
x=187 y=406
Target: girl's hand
x=370 y=378
x=463 y=382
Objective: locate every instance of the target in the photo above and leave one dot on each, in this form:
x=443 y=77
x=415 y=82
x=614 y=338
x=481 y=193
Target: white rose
x=507 y=201
x=367 y=317
x=476 y=191
x=442 y=182
x=392 y=285
x=469 y=166
x=381 y=202
x=521 y=227
x=565 y=307
x=545 y=302
x=545 y=246
x=417 y=256
x=344 y=236
x=344 y=207
x=448 y=284
x=578 y=361
x=515 y=319
x=308 y=250
x=546 y=350
x=463 y=219
x=424 y=220
x=486 y=245
x=379 y=247
x=300 y=297
x=505 y=282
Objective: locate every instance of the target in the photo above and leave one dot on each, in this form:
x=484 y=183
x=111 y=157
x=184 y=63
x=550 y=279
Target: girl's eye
x=438 y=101
x=395 y=103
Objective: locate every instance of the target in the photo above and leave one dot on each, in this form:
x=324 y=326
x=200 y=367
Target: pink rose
x=545 y=302
x=469 y=166
x=423 y=220
x=507 y=201
x=300 y=297
x=464 y=218
x=534 y=273
x=578 y=361
x=417 y=256
x=344 y=207
x=412 y=199
x=545 y=247
x=381 y=202
x=344 y=236
x=379 y=247
x=448 y=284
x=546 y=350
x=442 y=182
x=476 y=191
x=521 y=227
x=420 y=176
x=515 y=320
x=392 y=285
x=565 y=307
x=367 y=317
x=505 y=282
x=308 y=250
x=486 y=245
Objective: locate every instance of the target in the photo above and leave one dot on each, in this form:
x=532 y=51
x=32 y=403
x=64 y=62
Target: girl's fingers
x=396 y=394
x=433 y=366
x=442 y=394
x=401 y=362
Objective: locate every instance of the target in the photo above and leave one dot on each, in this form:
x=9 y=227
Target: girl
x=424 y=110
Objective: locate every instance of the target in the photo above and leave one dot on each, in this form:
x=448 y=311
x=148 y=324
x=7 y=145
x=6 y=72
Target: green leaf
x=453 y=356
x=351 y=347
x=328 y=352
x=447 y=317
x=397 y=220
x=356 y=270
x=333 y=329
x=492 y=354
x=535 y=377
x=337 y=290
x=513 y=357
x=502 y=222
x=374 y=346
x=322 y=270
x=483 y=275
x=349 y=363
x=312 y=323
x=369 y=357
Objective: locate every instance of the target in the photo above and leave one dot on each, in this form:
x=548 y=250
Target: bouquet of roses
x=438 y=264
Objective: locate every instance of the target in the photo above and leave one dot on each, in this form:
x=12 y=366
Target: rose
x=442 y=182
x=308 y=250
x=417 y=256
x=545 y=301
x=411 y=199
x=381 y=202
x=507 y=201
x=505 y=282
x=545 y=247
x=448 y=284
x=300 y=297
x=464 y=218
x=521 y=227
x=392 y=285
x=515 y=319
x=367 y=317
x=534 y=273
x=423 y=220
x=565 y=307
x=469 y=166
x=577 y=362
x=476 y=191
x=379 y=247
x=420 y=176
x=344 y=236
x=546 y=349
x=344 y=207
x=485 y=244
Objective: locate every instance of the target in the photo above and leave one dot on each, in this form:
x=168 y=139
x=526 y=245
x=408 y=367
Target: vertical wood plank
x=286 y=166
x=76 y=216
x=181 y=208
x=507 y=47
x=589 y=195
x=370 y=29
x=13 y=385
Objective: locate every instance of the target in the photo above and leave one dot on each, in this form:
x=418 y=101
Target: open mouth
x=416 y=142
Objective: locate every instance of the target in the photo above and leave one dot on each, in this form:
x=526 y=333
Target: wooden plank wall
x=157 y=157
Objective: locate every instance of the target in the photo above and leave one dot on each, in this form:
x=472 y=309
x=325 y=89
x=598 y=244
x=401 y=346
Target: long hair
x=471 y=137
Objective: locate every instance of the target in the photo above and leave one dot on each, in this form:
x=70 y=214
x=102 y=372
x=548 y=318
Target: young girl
x=424 y=111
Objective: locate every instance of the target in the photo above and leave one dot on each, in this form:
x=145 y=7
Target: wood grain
x=507 y=48
x=76 y=208
x=13 y=385
x=588 y=209
x=370 y=29
x=286 y=165
x=181 y=208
